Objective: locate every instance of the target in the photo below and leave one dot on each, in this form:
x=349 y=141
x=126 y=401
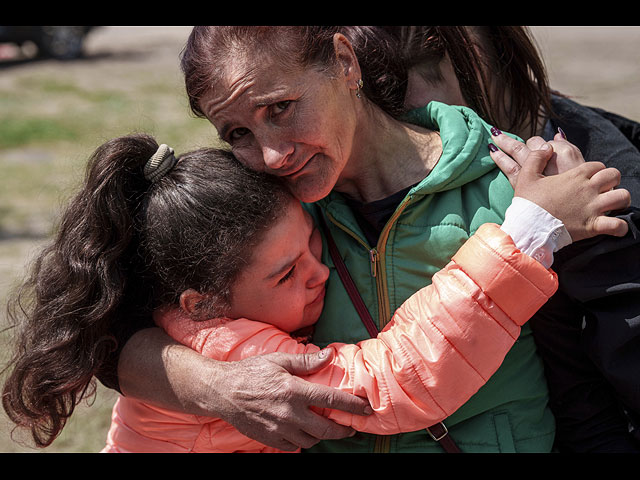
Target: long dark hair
x=499 y=68
x=125 y=246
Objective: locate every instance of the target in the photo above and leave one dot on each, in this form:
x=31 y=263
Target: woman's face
x=295 y=123
x=283 y=285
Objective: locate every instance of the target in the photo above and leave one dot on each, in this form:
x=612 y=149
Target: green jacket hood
x=465 y=155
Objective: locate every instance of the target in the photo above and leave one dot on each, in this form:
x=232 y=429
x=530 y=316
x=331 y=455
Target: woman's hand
x=580 y=195
x=565 y=154
x=267 y=401
x=262 y=396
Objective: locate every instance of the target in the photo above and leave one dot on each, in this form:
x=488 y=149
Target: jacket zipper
x=376 y=261
x=377 y=256
x=379 y=273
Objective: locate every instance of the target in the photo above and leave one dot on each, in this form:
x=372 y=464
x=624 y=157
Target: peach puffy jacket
x=440 y=347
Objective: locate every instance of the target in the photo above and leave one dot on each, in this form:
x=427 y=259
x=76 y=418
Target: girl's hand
x=580 y=196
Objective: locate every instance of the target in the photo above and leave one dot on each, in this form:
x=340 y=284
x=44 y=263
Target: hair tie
x=160 y=163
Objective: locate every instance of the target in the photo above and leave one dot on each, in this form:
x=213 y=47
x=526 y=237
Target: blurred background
x=55 y=109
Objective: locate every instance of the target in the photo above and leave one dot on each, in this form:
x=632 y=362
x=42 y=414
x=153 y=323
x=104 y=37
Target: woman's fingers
x=513 y=156
x=534 y=143
x=579 y=193
x=565 y=157
x=508 y=165
x=515 y=149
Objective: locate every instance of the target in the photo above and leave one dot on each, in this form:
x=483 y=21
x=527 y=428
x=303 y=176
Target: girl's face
x=294 y=123
x=283 y=285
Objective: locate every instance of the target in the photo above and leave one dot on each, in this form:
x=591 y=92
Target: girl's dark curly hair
x=125 y=246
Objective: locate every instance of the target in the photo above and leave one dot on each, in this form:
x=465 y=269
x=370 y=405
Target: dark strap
x=440 y=434
x=438 y=431
x=348 y=283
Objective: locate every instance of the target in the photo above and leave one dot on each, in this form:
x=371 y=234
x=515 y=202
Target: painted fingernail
x=495 y=132
x=561 y=132
x=493 y=148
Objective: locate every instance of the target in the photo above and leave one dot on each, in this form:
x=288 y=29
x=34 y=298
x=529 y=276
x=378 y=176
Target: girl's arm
x=428 y=377
x=441 y=346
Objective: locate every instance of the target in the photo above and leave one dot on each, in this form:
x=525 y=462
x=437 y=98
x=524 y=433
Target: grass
x=53 y=116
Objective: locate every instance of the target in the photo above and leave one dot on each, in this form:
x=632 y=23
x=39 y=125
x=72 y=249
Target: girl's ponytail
x=129 y=242
x=81 y=285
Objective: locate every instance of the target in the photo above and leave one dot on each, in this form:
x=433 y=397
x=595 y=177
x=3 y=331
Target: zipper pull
x=373 y=256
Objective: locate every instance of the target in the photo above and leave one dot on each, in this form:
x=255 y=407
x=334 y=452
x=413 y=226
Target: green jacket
x=464 y=190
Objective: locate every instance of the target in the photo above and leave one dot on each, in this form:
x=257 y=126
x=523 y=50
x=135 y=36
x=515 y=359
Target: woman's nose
x=275 y=153
x=273 y=159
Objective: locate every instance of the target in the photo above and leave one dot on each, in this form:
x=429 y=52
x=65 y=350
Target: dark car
x=63 y=43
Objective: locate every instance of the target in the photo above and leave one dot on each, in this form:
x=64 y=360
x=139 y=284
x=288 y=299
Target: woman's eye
x=280 y=107
x=238 y=133
x=288 y=276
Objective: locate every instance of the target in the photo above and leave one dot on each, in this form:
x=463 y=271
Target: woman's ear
x=347 y=60
x=189 y=300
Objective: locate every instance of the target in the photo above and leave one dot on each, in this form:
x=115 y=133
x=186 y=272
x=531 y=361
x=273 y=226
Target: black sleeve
x=604 y=137
x=589 y=337
x=604 y=276
x=629 y=128
x=588 y=333
x=588 y=416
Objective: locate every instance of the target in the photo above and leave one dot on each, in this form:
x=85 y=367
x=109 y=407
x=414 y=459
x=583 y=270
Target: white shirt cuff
x=535 y=231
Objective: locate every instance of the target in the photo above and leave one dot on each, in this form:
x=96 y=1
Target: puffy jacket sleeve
x=441 y=346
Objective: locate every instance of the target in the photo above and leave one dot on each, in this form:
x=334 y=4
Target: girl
x=229 y=262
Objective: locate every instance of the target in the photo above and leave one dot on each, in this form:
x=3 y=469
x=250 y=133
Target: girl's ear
x=189 y=300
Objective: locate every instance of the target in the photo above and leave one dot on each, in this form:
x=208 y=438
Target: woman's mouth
x=299 y=170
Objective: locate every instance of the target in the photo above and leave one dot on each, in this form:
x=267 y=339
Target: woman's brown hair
x=500 y=71
x=208 y=47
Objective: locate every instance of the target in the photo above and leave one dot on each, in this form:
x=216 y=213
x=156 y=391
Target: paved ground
x=600 y=65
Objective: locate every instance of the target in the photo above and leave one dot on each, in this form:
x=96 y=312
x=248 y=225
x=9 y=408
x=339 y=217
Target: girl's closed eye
x=287 y=277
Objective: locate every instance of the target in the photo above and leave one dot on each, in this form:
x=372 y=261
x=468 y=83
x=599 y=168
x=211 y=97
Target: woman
x=343 y=144
x=587 y=332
